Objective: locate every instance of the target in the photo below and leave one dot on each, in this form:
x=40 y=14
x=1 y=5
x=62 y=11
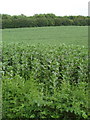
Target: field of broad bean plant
x=45 y=73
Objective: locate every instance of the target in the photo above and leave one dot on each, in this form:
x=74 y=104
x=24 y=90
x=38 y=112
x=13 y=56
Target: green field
x=45 y=73
x=76 y=35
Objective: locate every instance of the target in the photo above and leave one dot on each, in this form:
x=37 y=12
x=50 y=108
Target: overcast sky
x=31 y=7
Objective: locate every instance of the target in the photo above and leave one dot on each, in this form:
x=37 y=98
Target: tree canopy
x=39 y=20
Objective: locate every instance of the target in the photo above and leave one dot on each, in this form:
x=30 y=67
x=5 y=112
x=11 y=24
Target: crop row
x=50 y=81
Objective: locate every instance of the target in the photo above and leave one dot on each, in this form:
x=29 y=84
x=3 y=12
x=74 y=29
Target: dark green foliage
x=42 y=20
x=45 y=82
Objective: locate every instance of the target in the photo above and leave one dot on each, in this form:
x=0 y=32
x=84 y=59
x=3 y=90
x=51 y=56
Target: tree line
x=39 y=20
